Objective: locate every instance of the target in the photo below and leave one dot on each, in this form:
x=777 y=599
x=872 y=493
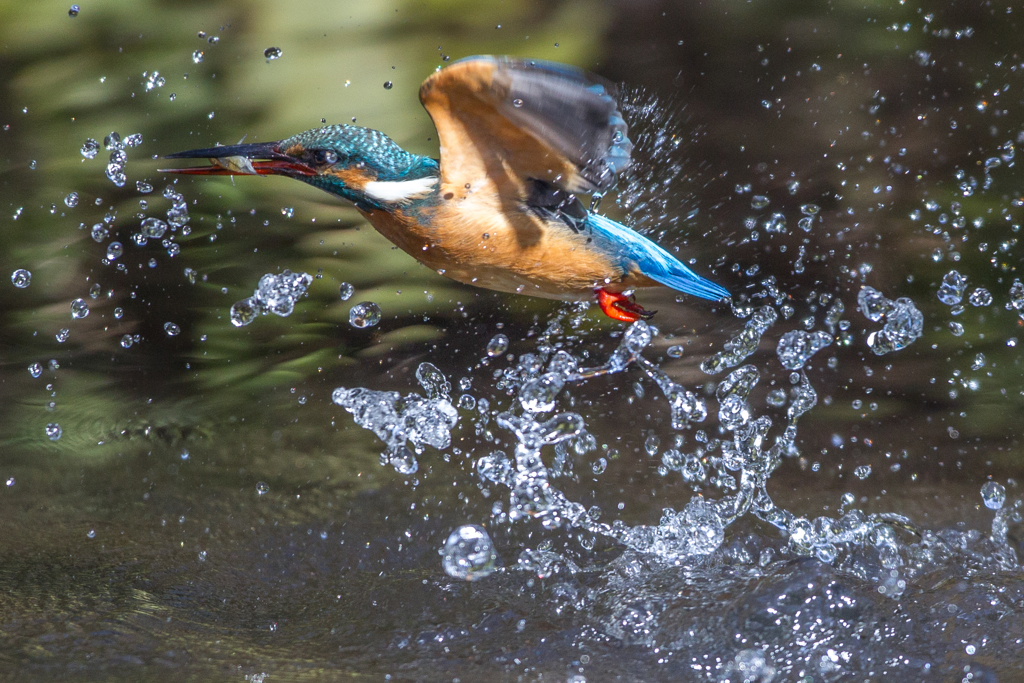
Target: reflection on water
x=820 y=483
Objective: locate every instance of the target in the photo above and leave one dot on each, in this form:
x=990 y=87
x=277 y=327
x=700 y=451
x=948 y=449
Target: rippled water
x=401 y=477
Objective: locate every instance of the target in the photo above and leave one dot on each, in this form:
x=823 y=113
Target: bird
x=520 y=141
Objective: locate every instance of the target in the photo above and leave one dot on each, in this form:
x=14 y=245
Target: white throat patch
x=399 y=191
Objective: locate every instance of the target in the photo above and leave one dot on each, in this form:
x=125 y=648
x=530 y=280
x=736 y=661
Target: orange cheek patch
x=352 y=177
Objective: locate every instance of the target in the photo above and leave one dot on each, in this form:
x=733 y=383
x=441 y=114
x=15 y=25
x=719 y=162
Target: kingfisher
x=520 y=142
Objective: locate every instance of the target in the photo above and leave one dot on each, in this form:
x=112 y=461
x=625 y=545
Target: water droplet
x=994 y=495
x=94 y=291
x=497 y=346
x=53 y=431
x=91 y=533
x=776 y=398
x=287 y=212
x=244 y=312
x=114 y=250
x=980 y=297
x=272 y=53
x=213 y=40
x=366 y=314
x=517 y=102
x=262 y=489
x=21 y=278
x=127 y=341
x=469 y=554
x=73 y=11
x=172 y=330
x=388 y=85
x=197 y=56
x=62 y=335
x=759 y=201
x=71 y=200
x=79 y=309
x=345 y=291
x=90 y=148
x=951 y=291
x=153 y=228
x=112 y=141
x=36 y=369
x=675 y=351
x=956 y=329
x=143 y=187
x=862 y=472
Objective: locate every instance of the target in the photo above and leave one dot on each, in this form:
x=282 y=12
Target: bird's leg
x=621 y=307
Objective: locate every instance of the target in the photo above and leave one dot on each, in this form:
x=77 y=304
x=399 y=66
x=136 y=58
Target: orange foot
x=621 y=307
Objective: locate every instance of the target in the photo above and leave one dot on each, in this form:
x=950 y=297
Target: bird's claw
x=621 y=307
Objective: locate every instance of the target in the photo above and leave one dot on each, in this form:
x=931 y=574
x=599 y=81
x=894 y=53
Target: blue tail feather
x=650 y=259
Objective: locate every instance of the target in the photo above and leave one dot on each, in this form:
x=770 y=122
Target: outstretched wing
x=512 y=119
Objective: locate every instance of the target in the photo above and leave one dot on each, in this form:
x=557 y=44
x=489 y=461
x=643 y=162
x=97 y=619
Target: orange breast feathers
x=472 y=237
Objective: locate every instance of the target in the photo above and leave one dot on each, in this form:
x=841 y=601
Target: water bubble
x=127 y=341
x=244 y=312
x=71 y=200
x=345 y=291
x=674 y=351
x=365 y=314
x=197 y=56
x=980 y=297
x=262 y=489
x=994 y=495
x=388 y=85
x=90 y=148
x=497 y=346
x=951 y=291
x=21 y=278
x=73 y=11
x=862 y=472
x=759 y=201
x=79 y=309
x=469 y=554
x=114 y=251
x=53 y=431
x=172 y=330
x=62 y=335
x=272 y=53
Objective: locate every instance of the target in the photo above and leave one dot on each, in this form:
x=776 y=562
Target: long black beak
x=261 y=158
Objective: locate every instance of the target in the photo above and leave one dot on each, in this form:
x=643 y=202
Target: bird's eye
x=328 y=156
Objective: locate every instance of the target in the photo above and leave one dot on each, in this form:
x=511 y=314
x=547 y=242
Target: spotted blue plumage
x=633 y=251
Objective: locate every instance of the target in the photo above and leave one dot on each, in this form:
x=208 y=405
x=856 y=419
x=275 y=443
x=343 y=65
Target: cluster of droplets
x=402 y=420
x=118 y=156
x=275 y=294
x=903 y=322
